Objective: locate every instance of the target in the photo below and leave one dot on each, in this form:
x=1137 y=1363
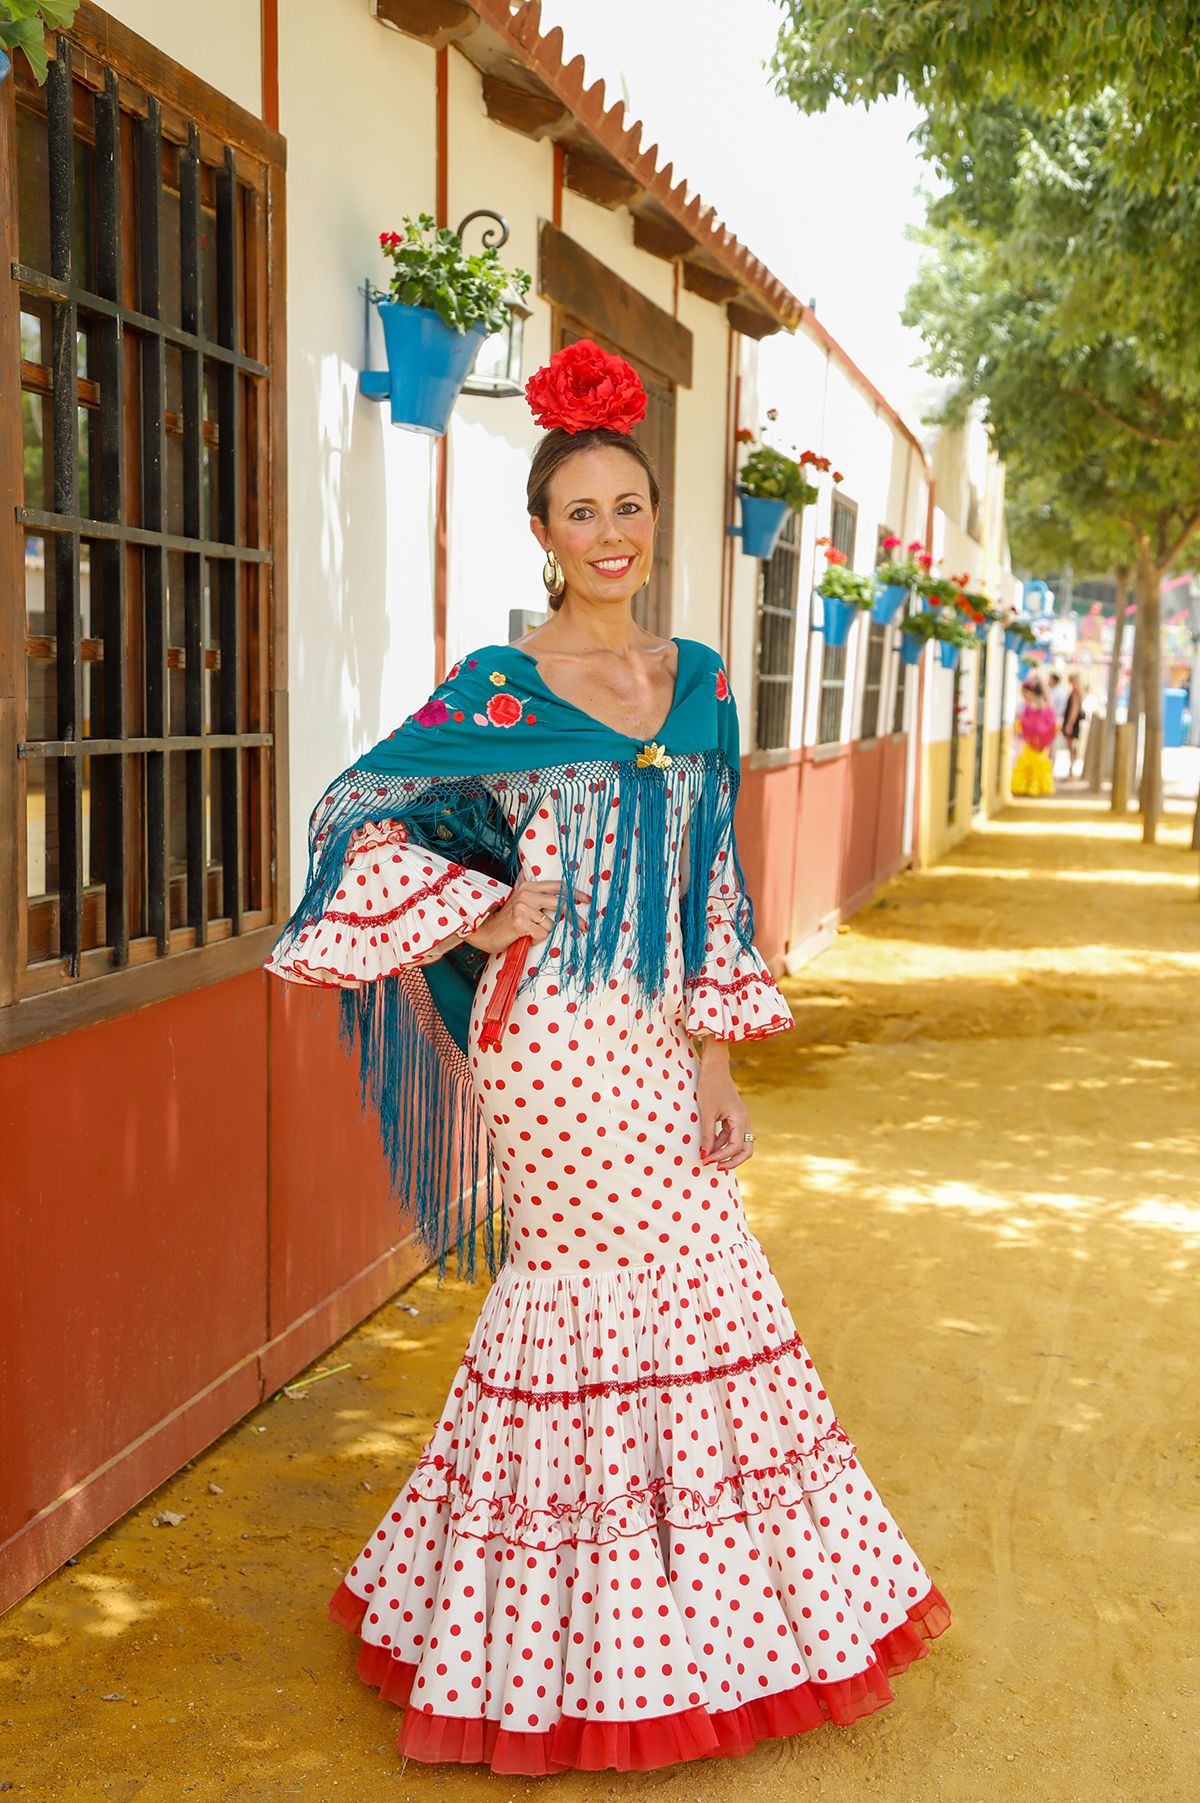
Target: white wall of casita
x=700 y=474
x=493 y=561
x=360 y=492
x=219 y=41
x=822 y=407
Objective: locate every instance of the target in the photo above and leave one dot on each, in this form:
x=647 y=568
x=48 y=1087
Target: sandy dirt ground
x=977 y=1180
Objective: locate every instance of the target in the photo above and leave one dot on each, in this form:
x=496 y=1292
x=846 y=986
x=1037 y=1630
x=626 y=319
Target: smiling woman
x=543 y=931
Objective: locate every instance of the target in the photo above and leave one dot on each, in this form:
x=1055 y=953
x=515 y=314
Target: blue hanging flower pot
x=836 y=618
x=982 y=628
x=762 y=522
x=428 y=362
x=1013 y=641
x=888 y=602
x=911 y=648
x=948 y=654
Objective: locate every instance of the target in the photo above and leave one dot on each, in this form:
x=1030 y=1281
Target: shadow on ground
x=976 y=1179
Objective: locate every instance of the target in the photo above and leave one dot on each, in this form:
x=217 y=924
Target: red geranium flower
x=925 y=561
x=890 y=542
x=807 y=457
x=837 y=476
x=583 y=388
x=916 y=545
x=824 y=541
x=772 y=413
x=833 y=555
x=744 y=435
x=821 y=463
x=503 y=710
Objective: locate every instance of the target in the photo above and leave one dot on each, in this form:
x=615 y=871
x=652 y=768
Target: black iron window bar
x=780 y=585
x=108 y=535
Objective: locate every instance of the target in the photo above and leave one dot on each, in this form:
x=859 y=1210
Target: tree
x=1141 y=58
x=1084 y=424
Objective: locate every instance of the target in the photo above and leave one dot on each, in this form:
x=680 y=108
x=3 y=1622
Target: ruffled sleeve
x=397 y=904
x=733 y=995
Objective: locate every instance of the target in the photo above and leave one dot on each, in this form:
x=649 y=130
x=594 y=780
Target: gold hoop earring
x=552 y=575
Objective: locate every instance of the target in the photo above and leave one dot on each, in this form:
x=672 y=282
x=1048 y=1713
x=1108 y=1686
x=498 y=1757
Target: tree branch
x=1190 y=525
x=1126 y=425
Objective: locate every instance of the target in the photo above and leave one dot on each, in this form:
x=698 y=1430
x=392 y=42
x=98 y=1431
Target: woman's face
x=600 y=524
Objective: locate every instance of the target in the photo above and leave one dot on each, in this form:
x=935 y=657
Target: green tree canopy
x=1140 y=58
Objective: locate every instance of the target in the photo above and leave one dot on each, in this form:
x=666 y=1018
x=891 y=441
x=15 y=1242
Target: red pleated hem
x=581 y=1744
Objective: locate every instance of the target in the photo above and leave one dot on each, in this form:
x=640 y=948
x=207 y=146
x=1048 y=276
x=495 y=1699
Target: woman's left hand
x=724 y=1119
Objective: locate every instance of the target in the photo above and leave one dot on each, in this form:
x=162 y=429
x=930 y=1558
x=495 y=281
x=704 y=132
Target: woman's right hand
x=527 y=914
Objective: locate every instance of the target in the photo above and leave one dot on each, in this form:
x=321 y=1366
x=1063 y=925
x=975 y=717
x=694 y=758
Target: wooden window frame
x=131 y=90
x=773 y=687
x=831 y=694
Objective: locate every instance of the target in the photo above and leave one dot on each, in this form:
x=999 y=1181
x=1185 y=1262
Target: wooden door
x=652 y=606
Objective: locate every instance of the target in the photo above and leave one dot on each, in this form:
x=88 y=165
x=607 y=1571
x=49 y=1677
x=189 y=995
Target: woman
x=1072 y=722
x=638 y=1534
x=1036 y=726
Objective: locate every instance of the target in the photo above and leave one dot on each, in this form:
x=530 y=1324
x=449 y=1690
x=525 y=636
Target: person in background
x=1058 y=701
x=1072 y=721
x=1033 y=772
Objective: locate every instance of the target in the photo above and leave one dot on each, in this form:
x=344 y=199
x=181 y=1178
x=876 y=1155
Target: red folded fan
x=500 y=1006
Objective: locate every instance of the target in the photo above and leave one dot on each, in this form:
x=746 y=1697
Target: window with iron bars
x=843 y=531
x=776 y=646
x=902 y=674
x=144 y=239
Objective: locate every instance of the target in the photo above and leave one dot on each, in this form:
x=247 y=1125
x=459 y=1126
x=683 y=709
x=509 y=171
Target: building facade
x=224 y=574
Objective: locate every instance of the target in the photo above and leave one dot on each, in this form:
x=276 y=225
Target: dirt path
x=977 y=1180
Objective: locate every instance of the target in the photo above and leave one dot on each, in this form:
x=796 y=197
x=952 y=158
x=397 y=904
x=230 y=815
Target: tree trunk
x=1134 y=711
x=1149 y=613
x=1121 y=577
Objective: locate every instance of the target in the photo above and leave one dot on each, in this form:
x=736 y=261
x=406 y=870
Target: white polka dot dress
x=638 y=1534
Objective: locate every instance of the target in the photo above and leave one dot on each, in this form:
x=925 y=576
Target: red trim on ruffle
x=737 y=984
x=449 y=875
x=518 y=1518
x=625 y=1385
x=583 y=1744
x=386 y=832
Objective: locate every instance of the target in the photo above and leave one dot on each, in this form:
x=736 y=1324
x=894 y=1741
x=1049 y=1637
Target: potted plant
x=769 y=484
x=1018 y=633
x=440 y=306
x=945 y=627
x=935 y=591
x=896 y=576
x=843 y=593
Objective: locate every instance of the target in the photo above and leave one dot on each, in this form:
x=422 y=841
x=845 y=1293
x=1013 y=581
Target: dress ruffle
x=650 y=1743
x=638 y=1504
x=735 y=995
x=395 y=906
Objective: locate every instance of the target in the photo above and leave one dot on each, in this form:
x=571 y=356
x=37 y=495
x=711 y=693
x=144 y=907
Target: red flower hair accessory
x=583 y=389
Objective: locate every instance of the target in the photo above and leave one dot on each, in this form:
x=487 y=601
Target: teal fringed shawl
x=465 y=773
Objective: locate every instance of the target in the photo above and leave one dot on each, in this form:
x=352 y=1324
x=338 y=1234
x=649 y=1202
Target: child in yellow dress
x=1033 y=772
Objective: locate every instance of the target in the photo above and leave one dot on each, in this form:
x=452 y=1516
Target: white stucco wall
x=219 y=41
x=360 y=494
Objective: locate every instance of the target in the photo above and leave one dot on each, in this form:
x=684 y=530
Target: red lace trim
x=736 y=985
x=625 y=1385
x=583 y=1744
x=387 y=832
x=520 y=1517
x=382 y=920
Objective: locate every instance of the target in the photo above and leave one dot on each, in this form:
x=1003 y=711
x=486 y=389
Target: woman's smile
x=614 y=566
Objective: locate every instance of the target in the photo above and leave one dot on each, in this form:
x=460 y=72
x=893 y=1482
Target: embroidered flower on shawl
x=722 y=686
x=504 y=710
x=498 y=677
x=653 y=756
x=433 y=713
